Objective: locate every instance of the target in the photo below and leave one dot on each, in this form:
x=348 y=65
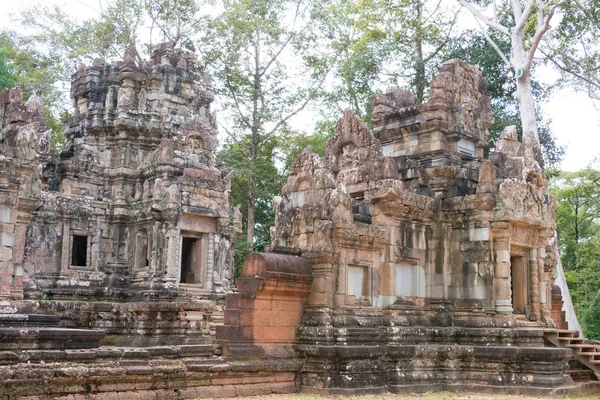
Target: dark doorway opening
x=79 y=251
x=188 y=274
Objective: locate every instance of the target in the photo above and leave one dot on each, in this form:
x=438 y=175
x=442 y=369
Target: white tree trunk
x=524 y=96
x=571 y=317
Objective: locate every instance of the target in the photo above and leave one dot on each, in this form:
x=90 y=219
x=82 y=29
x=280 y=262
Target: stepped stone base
x=140 y=323
x=412 y=348
x=172 y=372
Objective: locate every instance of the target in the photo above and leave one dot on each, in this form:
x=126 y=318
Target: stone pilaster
x=502 y=290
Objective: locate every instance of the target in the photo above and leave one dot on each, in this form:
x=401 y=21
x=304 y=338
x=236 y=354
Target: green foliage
x=577 y=216
x=177 y=20
x=268 y=180
x=269 y=169
x=379 y=43
x=36 y=71
x=57 y=128
x=36 y=74
x=107 y=35
x=591 y=319
x=294 y=143
x=8 y=78
x=573 y=47
x=241 y=251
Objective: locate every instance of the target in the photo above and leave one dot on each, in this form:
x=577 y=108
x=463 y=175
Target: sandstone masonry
x=400 y=261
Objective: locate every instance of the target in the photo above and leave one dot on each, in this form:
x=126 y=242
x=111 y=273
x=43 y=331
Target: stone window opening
x=361 y=209
x=79 y=247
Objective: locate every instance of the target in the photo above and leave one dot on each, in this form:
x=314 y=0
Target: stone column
x=323 y=285
x=210 y=261
x=502 y=291
x=7 y=225
x=545 y=276
x=534 y=262
x=173 y=258
x=18 y=257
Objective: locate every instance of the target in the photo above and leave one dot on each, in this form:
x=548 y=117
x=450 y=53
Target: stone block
x=5 y=215
x=479 y=234
x=7 y=239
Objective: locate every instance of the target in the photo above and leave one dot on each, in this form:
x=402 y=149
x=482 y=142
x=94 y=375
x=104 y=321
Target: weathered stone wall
x=23 y=140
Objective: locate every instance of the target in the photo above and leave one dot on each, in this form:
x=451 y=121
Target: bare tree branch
x=441 y=46
x=228 y=133
x=488 y=21
x=284 y=45
x=537 y=37
x=433 y=12
x=302 y=106
x=517 y=13
x=522 y=20
x=237 y=104
x=495 y=11
x=494 y=45
x=589 y=81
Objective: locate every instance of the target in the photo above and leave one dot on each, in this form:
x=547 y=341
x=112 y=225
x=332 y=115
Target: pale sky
x=575 y=121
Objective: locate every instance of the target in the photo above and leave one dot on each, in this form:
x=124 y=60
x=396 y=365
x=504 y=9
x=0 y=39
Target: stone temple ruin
x=135 y=209
x=401 y=261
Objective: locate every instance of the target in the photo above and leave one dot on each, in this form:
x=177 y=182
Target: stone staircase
x=584 y=352
x=20 y=332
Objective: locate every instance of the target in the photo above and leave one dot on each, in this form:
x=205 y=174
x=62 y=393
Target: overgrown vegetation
x=578 y=224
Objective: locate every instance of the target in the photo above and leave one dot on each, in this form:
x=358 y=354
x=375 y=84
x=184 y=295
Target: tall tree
x=261 y=51
x=528 y=23
x=269 y=181
x=381 y=43
x=360 y=57
x=415 y=33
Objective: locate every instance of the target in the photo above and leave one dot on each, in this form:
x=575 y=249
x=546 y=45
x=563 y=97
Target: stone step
x=579 y=375
x=587 y=354
x=584 y=348
x=32 y=320
x=561 y=332
x=49 y=338
x=573 y=340
x=124 y=355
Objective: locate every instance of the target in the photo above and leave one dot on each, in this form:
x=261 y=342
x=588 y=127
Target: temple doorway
x=520 y=284
x=191 y=260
